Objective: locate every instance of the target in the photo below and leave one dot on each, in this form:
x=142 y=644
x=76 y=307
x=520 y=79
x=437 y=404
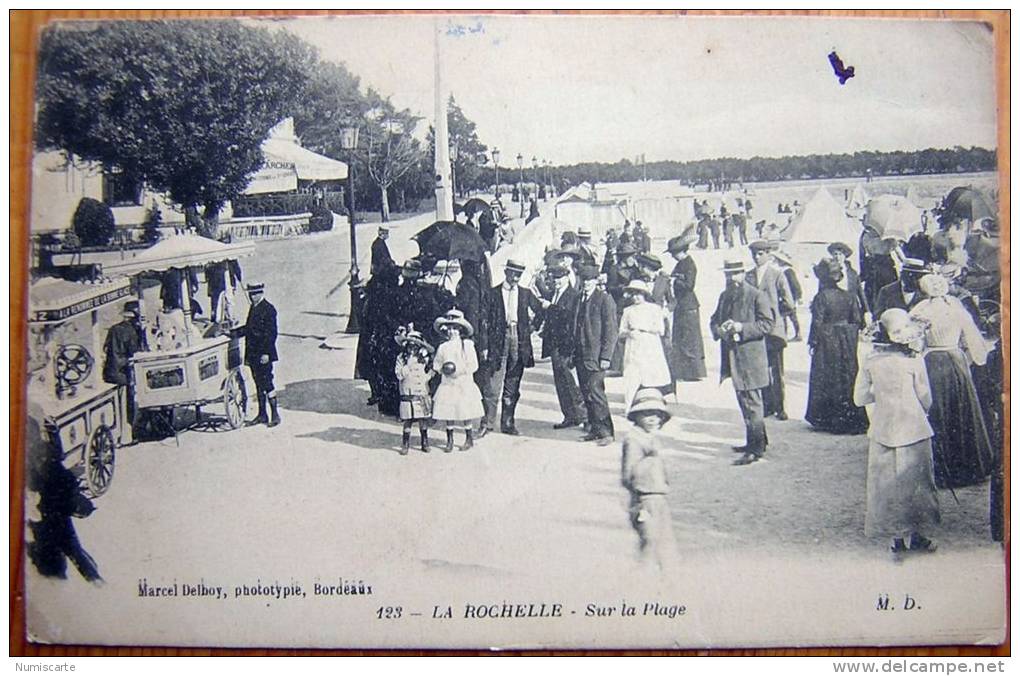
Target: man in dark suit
x=557 y=344
x=511 y=312
x=381 y=257
x=595 y=333
x=904 y=293
x=260 y=351
x=769 y=278
x=741 y=322
x=586 y=252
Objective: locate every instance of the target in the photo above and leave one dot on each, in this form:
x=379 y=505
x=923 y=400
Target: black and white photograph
x=516 y=331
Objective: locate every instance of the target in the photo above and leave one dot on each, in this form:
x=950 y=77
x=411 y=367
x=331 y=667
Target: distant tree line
x=732 y=169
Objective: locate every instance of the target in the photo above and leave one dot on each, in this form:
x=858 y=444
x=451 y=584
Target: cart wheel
x=234 y=400
x=99 y=457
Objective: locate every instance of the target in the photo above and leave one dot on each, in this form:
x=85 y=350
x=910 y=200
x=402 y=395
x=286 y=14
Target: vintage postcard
x=507 y=331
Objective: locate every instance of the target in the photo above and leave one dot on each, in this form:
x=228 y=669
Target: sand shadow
x=329 y=395
x=371 y=439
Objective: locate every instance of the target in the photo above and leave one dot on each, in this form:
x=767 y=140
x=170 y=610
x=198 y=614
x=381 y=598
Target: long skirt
x=644 y=365
x=901 y=490
x=830 y=404
x=457 y=399
x=687 y=358
x=962 y=452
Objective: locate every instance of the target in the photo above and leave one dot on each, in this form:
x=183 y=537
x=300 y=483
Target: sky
x=575 y=89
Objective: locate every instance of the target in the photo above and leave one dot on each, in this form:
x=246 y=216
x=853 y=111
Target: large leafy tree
x=180 y=105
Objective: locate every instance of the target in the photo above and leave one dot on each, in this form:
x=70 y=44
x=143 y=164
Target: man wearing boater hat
x=260 y=352
x=740 y=323
x=768 y=277
x=511 y=311
x=904 y=293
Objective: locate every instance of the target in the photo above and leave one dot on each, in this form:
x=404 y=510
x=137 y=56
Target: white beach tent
x=823 y=220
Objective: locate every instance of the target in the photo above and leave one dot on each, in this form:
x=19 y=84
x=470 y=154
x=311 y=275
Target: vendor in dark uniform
x=260 y=351
x=123 y=340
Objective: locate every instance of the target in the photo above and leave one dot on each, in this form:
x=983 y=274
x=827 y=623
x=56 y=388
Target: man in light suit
x=741 y=322
x=769 y=278
x=595 y=332
x=512 y=311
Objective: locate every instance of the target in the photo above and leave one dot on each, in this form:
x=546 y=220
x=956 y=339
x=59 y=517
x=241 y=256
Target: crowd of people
x=441 y=344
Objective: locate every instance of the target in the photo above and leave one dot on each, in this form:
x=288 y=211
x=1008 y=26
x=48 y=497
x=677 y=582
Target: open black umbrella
x=966 y=203
x=449 y=239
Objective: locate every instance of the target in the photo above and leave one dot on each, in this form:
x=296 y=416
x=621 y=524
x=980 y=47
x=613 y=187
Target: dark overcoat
x=123 y=340
x=743 y=355
x=558 y=324
x=891 y=296
x=381 y=257
x=528 y=308
x=596 y=330
x=260 y=333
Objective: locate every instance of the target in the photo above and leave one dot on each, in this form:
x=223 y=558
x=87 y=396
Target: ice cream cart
x=79 y=416
x=194 y=350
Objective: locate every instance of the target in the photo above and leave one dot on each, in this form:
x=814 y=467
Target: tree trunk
x=385 y=206
x=211 y=221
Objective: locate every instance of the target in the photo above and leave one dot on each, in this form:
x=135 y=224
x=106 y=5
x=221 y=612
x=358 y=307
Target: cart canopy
x=178 y=252
x=53 y=300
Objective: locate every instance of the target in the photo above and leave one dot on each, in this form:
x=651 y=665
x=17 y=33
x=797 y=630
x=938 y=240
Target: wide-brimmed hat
x=762 y=245
x=915 y=266
x=934 y=285
x=584 y=231
x=648 y=400
x=515 y=266
x=588 y=272
x=683 y=241
x=557 y=272
x=414 y=338
x=131 y=308
x=900 y=327
x=255 y=287
x=639 y=286
x=454 y=318
x=731 y=266
x=840 y=247
x=649 y=261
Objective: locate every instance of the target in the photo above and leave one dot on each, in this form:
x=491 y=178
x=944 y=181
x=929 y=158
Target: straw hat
x=934 y=286
x=900 y=327
x=638 y=286
x=454 y=318
x=648 y=400
x=840 y=247
x=514 y=266
x=732 y=266
x=413 y=337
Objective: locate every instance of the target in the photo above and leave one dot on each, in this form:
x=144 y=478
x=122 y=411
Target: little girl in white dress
x=458 y=400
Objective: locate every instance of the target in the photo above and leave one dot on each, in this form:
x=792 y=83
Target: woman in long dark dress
x=687 y=356
x=961 y=447
x=836 y=319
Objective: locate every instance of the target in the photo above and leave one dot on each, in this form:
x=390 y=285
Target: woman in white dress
x=642 y=326
x=458 y=400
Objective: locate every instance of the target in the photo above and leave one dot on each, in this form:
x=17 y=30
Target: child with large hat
x=413 y=371
x=458 y=400
x=644 y=476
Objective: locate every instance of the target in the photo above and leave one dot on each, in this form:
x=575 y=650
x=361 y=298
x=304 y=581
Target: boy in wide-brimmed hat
x=644 y=476
x=413 y=371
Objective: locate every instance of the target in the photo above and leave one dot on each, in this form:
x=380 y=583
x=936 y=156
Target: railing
x=266 y=227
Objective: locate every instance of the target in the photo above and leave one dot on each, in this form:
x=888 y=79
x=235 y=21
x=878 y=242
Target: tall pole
x=520 y=190
x=444 y=184
x=353 y=325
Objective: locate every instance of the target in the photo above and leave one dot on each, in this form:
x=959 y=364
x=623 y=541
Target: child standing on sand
x=644 y=475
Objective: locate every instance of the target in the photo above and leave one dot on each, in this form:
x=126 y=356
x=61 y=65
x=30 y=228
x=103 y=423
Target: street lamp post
x=349 y=142
x=495 y=160
x=534 y=169
x=520 y=189
x=548 y=188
